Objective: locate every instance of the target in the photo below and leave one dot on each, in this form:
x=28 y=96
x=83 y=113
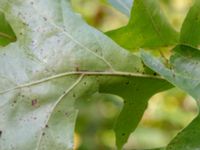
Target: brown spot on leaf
x=34 y=102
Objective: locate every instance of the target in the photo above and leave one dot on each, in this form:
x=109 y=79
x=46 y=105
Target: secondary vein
x=64 y=31
x=56 y=103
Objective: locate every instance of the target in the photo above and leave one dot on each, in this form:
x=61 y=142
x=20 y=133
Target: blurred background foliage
x=168 y=112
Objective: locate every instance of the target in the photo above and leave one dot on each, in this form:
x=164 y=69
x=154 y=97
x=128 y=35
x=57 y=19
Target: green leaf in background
x=184 y=73
x=190 y=29
x=6 y=33
x=134 y=104
x=56 y=60
x=123 y=5
x=147 y=28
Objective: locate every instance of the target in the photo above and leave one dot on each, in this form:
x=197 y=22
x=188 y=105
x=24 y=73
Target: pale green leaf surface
x=6 y=33
x=56 y=60
x=122 y=5
x=147 y=28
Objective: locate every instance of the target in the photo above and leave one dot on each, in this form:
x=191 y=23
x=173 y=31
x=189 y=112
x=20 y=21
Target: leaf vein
x=56 y=103
x=74 y=40
x=86 y=73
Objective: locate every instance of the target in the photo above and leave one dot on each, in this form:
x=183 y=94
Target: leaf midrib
x=85 y=73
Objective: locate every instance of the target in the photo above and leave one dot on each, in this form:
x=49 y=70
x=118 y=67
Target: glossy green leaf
x=123 y=5
x=147 y=28
x=6 y=33
x=57 y=60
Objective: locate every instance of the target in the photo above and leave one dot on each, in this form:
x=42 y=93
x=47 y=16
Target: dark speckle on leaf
x=43 y=134
x=154 y=73
x=0 y=133
x=45 y=19
x=123 y=134
x=34 y=102
x=46 y=126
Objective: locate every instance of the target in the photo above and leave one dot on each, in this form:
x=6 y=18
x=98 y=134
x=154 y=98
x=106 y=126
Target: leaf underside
x=122 y=5
x=56 y=60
